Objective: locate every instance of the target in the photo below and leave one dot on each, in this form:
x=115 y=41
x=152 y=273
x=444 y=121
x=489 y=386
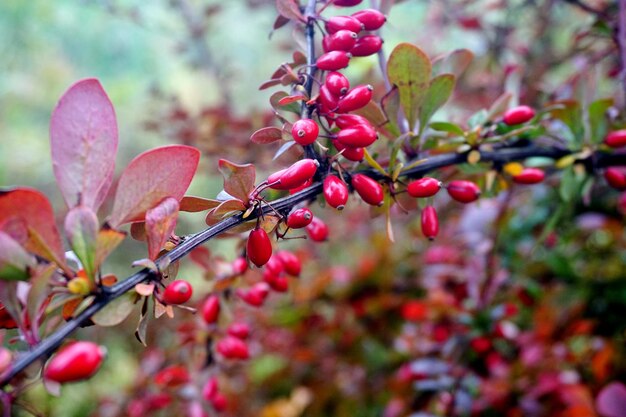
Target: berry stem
x=310 y=15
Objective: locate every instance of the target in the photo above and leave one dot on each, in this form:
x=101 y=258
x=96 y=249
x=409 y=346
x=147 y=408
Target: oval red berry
x=529 y=176
x=355 y=99
x=317 y=230
x=211 y=309
x=333 y=60
x=367 y=45
x=177 y=292
x=335 y=192
x=74 y=362
x=305 y=131
x=337 y=83
x=299 y=218
x=371 y=19
x=370 y=190
x=463 y=191
x=259 y=247
x=616 y=139
x=424 y=187
x=518 y=115
x=430 y=222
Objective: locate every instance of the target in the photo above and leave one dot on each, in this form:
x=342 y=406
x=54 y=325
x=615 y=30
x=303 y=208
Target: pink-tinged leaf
x=611 y=401
x=276 y=97
x=34 y=209
x=194 y=204
x=290 y=10
x=145 y=290
x=16 y=228
x=238 y=179
x=456 y=62
x=227 y=207
x=138 y=231
x=81 y=229
x=160 y=223
x=267 y=135
x=149 y=178
x=268 y=84
x=39 y=291
x=14 y=260
x=108 y=240
x=298 y=58
x=83 y=139
x=280 y=22
x=290 y=99
x=284 y=148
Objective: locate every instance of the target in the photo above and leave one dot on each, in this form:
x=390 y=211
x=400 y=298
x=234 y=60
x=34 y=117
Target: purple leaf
x=238 y=179
x=266 y=135
x=83 y=140
x=290 y=10
x=611 y=401
x=160 y=223
x=149 y=178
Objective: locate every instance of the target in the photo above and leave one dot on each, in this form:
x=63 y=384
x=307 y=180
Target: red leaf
x=280 y=22
x=611 y=401
x=290 y=99
x=268 y=84
x=14 y=260
x=83 y=139
x=267 y=135
x=290 y=10
x=34 y=209
x=194 y=204
x=160 y=223
x=149 y=178
x=238 y=179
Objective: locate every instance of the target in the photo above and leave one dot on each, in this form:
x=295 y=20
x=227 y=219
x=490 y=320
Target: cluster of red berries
x=616 y=176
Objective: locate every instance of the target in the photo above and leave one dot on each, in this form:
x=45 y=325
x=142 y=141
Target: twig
x=310 y=16
x=621 y=42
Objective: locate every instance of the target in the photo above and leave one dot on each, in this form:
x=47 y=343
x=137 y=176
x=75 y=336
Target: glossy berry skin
x=616 y=139
x=355 y=99
x=240 y=266
x=299 y=218
x=423 y=187
x=177 y=292
x=463 y=191
x=616 y=178
x=371 y=19
x=342 y=40
x=337 y=83
x=74 y=362
x=210 y=389
x=327 y=99
x=337 y=23
x=529 y=176
x=172 y=376
x=233 y=348
x=346 y=3
x=291 y=263
x=317 y=230
x=351 y=154
x=278 y=283
x=359 y=136
x=480 y=345
x=305 y=185
x=333 y=60
x=345 y=121
x=274 y=265
x=239 y=330
x=518 y=115
x=294 y=176
x=335 y=192
x=370 y=190
x=211 y=309
x=367 y=45
x=305 y=131
x=430 y=222
x=259 y=247
x=219 y=402
x=255 y=295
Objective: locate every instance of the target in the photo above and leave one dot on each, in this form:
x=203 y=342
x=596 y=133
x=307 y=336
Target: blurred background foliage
x=188 y=71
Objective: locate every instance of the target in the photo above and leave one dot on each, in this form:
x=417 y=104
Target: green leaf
x=447 y=127
x=598 y=122
x=456 y=62
x=409 y=69
x=81 y=228
x=390 y=104
x=291 y=107
x=14 y=260
x=116 y=311
x=570 y=113
x=438 y=93
x=570 y=185
x=477 y=119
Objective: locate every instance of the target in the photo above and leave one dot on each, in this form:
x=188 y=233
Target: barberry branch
x=621 y=42
x=108 y=294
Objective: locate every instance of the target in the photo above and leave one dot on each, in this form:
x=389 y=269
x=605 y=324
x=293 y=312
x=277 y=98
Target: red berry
x=317 y=230
x=367 y=45
x=278 y=283
x=359 y=136
x=337 y=83
x=346 y=3
x=616 y=139
x=518 y=115
x=463 y=191
x=239 y=330
x=345 y=121
x=299 y=218
x=335 y=192
x=327 y=99
x=351 y=154
x=210 y=389
x=370 y=18
x=294 y=176
x=337 y=23
x=259 y=247
x=430 y=222
x=219 y=402
x=480 y=345
x=306 y=184
x=441 y=333
x=529 y=176
x=274 y=265
x=211 y=309
x=177 y=292
x=254 y=296
x=172 y=376
x=424 y=187
x=356 y=98
x=342 y=40
x=333 y=60
x=75 y=362
x=370 y=190
x=305 y=131
x=233 y=348
x=291 y=263
x=414 y=310
x=616 y=178
x=240 y=266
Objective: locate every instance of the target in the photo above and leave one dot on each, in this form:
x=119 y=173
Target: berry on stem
x=518 y=115
x=259 y=247
x=333 y=60
x=294 y=176
x=317 y=230
x=335 y=192
x=345 y=121
x=299 y=218
x=350 y=153
x=240 y=266
x=337 y=23
x=463 y=191
x=211 y=309
x=616 y=178
x=370 y=190
x=239 y=330
x=367 y=45
x=291 y=263
x=74 y=362
x=359 y=136
x=305 y=131
x=430 y=222
x=371 y=19
x=255 y=295
x=233 y=348
x=177 y=292
x=356 y=98
x=423 y=187
x=337 y=83
x=342 y=40
x=529 y=176
x=616 y=139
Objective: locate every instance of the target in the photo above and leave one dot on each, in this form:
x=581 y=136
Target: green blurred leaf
x=570 y=113
x=116 y=311
x=438 y=93
x=14 y=260
x=598 y=122
x=447 y=127
x=265 y=366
